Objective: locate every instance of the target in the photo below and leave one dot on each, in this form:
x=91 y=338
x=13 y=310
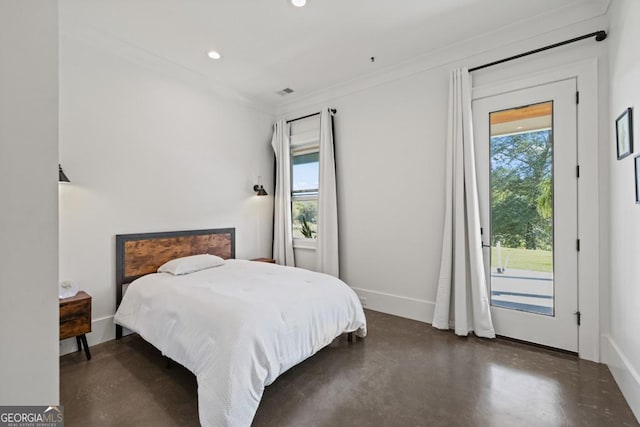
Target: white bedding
x=239 y=326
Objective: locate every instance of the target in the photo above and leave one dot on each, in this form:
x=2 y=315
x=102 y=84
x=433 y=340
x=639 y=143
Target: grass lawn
x=524 y=259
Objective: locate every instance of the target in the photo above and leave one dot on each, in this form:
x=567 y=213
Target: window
x=304 y=192
x=305 y=169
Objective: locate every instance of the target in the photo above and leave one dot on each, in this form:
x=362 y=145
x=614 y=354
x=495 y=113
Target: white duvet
x=239 y=326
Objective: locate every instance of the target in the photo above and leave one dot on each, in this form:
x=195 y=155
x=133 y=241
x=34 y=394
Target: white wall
x=624 y=68
x=390 y=134
x=149 y=148
x=29 y=194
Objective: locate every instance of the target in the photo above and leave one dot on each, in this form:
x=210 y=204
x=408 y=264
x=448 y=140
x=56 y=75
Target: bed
x=238 y=326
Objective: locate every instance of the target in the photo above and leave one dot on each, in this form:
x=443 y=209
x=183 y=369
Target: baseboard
x=410 y=308
x=103 y=329
x=624 y=373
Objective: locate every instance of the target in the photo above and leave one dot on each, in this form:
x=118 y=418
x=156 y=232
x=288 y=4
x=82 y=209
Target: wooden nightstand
x=269 y=260
x=75 y=319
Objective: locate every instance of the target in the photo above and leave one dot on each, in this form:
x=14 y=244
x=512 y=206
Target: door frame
x=558 y=328
x=586 y=74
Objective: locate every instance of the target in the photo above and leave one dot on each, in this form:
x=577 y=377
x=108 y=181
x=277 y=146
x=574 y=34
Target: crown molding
x=572 y=20
x=467 y=52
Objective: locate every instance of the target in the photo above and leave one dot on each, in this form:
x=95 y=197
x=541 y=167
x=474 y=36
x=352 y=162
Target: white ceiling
x=268 y=45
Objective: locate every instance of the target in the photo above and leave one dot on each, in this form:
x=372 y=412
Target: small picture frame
x=624 y=134
x=637 y=171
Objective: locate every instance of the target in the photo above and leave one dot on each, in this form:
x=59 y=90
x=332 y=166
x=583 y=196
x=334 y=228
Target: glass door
x=526 y=149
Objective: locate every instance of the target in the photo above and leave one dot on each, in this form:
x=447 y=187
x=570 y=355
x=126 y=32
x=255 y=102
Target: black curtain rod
x=599 y=35
x=333 y=110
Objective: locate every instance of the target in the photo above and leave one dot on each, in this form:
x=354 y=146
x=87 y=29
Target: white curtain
x=327 y=233
x=462 y=300
x=282 y=233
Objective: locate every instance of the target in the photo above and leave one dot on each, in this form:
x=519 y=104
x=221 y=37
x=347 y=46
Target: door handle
x=578 y=317
x=482 y=245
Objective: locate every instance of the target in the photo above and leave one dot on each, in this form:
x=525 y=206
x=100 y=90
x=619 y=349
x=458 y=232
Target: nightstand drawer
x=76 y=326
x=74 y=309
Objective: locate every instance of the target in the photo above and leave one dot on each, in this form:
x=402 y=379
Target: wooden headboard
x=143 y=253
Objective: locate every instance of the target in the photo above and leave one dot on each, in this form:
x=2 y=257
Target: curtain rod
x=333 y=110
x=599 y=35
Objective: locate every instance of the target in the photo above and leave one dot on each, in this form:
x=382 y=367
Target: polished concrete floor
x=405 y=373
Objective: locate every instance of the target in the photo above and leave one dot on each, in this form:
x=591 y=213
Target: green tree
x=306 y=229
x=521 y=190
x=305 y=217
x=545 y=198
x=306 y=211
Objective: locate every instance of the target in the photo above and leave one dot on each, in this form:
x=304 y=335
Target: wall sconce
x=258 y=188
x=62 y=177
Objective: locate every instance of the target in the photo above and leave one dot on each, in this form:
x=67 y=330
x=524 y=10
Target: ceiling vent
x=285 y=91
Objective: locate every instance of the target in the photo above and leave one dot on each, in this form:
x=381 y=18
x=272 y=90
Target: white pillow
x=190 y=264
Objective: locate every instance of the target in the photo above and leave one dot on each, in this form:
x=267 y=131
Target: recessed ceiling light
x=298 y=3
x=213 y=54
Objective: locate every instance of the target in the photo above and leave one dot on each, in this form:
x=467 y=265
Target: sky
x=305 y=176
